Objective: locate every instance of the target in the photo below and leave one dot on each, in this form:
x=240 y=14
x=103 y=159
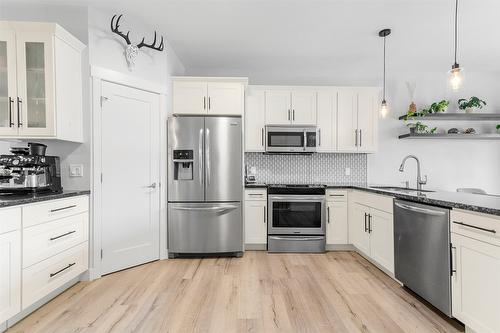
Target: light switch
x=76 y=170
x=347 y=171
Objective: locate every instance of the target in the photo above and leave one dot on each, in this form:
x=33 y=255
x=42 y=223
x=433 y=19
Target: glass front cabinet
x=40 y=82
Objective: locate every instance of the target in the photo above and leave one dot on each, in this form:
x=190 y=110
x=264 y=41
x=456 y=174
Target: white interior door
x=130 y=149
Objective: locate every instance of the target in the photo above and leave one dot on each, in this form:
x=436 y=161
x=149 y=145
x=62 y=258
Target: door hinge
x=103 y=99
x=101 y=253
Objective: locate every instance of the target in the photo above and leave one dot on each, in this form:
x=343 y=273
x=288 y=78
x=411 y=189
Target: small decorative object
x=498 y=128
x=419 y=128
x=412 y=109
x=453 y=131
x=470 y=130
x=132 y=50
x=471 y=105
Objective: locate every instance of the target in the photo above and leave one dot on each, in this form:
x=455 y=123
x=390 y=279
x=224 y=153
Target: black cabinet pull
x=473 y=226
x=62 y=269
x=63 y=235
x=370 y=223
x=328 y=214
x=264 y=214
x=366 y=228
x=63 y=208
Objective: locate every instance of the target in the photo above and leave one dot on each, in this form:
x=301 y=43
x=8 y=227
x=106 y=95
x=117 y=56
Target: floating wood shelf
x=457 y=116
x=451 y=136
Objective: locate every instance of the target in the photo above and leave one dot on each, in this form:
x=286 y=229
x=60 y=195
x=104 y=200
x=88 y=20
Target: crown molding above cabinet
x=346 y=117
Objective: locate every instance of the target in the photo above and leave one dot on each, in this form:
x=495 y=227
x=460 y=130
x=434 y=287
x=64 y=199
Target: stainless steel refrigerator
x=205 y=185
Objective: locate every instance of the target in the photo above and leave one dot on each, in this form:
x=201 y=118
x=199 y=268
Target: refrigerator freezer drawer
x=196 y=228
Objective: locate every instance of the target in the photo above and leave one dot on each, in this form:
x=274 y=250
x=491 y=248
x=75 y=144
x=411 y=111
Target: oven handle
x=305 y=238
x=297 y=197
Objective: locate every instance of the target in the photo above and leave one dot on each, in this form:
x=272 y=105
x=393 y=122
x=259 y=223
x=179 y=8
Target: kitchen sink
x=399 y=189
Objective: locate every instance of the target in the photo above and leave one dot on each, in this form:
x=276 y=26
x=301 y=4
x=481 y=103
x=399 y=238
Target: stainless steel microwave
x=291 y=139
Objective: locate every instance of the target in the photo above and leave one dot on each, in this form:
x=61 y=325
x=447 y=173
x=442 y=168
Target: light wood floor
x=261 y=292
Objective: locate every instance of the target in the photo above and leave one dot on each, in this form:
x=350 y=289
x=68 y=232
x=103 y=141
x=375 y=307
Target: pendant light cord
x=456 y=29
x=384 y=68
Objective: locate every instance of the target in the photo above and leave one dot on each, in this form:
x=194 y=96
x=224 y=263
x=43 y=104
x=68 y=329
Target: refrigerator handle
x=200 y=156
x=207 y=155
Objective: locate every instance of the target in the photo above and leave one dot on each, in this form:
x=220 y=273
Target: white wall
x=74 y=19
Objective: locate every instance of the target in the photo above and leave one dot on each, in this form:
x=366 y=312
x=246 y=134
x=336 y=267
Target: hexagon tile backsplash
x=308 y=169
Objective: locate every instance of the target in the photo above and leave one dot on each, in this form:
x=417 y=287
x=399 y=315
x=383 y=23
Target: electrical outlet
x=76 y=170
x=347 y=171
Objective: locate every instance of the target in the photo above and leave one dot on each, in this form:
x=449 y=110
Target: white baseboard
x=340 y=247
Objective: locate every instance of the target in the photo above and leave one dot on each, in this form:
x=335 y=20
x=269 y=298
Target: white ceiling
x=319 y=41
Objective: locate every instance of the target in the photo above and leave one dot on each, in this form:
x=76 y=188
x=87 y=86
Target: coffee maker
x=23 y=174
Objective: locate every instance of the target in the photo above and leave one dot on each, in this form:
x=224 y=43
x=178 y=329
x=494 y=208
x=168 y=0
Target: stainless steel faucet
x=420 y=181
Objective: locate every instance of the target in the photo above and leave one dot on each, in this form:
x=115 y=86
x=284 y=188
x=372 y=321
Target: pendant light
x=384 y=109
x=456 y=74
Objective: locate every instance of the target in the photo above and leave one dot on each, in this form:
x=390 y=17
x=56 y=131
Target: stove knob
x=15 y=162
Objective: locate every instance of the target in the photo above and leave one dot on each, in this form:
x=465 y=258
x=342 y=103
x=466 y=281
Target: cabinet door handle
x=264 y=214
x=262 y=136
x=366 y=228
x=370 y=223
x=293 y=115
x=19 y=112
x=11 y=101
x=328 y=214
x=453 y=254
x=356 y=137
x=209 y=103
x=288 y=114
x=360 y=138
x=204 y=103
x=319 y=136
x=493 y=231
x=63 y=235
x=62 y=270
x=63 y=208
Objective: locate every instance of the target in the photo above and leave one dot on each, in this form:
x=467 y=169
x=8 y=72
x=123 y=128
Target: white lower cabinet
x=255 y=216
x=476 y=272
x=10 y=263
x=336 y=226
x=371 y=228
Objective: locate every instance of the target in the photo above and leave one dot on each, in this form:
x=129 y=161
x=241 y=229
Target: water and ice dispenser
x=183 y=164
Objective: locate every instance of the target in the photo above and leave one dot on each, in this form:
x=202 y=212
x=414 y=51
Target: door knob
x=151 y=186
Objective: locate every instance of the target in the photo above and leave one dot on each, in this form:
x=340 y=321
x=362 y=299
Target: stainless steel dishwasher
x=422 y=251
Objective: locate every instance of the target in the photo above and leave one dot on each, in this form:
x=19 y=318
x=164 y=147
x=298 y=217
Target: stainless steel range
x=296 y=216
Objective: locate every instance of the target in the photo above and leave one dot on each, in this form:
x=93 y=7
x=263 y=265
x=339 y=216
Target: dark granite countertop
x=487 y=204
x=15 y=200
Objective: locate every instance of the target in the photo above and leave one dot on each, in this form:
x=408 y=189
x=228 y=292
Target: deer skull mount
x=132 y=50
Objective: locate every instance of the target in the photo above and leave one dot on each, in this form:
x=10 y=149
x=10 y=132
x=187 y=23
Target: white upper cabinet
x=278 y=108
x=327 y=121
x=303 y=107
x=255 y=120
x=290 y=107
x=357 y=119
x=204 y=96
x=40 y=82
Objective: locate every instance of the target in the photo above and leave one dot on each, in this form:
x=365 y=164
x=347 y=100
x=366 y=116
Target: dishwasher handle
x=420 y=209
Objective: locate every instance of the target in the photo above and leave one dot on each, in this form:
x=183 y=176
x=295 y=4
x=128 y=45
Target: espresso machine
x=29 y=174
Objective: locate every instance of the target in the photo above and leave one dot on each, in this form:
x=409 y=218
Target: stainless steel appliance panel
x=205 y=227
x=223 y=154
x=291 y=139
x=422 y=251
x=186 y=133
x=296 y=244
x=296 y=214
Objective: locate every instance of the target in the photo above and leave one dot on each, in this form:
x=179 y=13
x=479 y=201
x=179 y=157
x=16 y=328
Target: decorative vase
x=412 y=108
x=470 y=110
x=412 y=130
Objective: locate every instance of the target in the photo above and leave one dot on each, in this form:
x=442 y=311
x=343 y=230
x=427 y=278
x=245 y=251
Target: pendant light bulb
x=384 y=109
x=456 y=78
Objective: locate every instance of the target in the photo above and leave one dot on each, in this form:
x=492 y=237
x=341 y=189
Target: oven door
x=296 y=215
x=285 y=140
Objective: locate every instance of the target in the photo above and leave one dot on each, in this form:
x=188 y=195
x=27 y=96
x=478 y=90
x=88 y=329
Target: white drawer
x=45 y=240
x=336 y=195
x=482 y=227
x=256 y=194
x=41 y=279
x=54 y=209
x=10 y=219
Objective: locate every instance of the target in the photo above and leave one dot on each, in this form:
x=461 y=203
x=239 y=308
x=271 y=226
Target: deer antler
x=153 y=45
x=115 y=26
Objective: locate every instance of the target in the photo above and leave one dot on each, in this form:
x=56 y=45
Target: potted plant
x=419 y=128
x=498 y=128
x=436 y=107
x=471 y=105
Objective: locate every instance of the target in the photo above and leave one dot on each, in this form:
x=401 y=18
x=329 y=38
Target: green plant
x=472 y=102
x=435 y=107
x=421 y=128
x=498 y=127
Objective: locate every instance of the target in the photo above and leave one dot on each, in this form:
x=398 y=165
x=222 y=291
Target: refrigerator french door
x=205 y=185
